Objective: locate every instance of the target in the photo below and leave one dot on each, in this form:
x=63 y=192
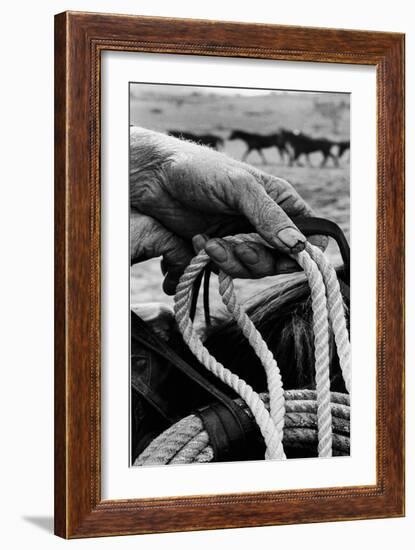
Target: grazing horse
x=258 y=142
x=209 y=140
x=299 y=144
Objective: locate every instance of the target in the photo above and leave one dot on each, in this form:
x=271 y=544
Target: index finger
x=283 y=193
x=286 y=196
x=265 y=214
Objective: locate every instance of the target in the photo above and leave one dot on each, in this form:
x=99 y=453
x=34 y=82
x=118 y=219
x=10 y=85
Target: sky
x=177 y=89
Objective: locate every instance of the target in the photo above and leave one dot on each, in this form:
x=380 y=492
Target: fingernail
x=292 y=238
x=216 y=250
x=248 y=253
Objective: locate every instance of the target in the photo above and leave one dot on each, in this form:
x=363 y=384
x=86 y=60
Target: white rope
x=274 y=380
x=272 y=435
x=336 y=308
x=321 y=352
x=322 y=279
x=187 y=441
x=166 y=445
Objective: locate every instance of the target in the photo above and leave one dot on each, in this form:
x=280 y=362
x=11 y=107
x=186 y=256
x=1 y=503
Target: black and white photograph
x=240 y=274
x=205 y=256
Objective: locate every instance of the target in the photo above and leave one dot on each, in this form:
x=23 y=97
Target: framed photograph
x=229 y=275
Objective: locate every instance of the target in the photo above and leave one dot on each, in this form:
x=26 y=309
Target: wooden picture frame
x=79 y=40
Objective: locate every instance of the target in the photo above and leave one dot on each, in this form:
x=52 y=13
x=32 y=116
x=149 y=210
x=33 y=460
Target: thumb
x=177 y=254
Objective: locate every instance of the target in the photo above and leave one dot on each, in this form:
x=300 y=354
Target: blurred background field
x=219 y=111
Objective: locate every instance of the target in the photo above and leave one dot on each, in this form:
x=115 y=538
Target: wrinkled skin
x=180 y=190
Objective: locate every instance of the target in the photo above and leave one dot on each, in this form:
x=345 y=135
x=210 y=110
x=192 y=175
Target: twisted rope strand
x=205 y=456
x=193 y=448
x=321 y=351
x=274 y=380
x=272 y=436
x=299 y=431
x=170 y=441
x=272 y=371
x=336 y=311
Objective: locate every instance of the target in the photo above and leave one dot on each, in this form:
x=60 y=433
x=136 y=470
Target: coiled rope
x=188 y=442
x=327 y=305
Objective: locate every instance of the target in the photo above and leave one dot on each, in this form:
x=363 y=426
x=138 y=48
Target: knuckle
x=319 y=240
x=179 y=169
x=289 y=199
x=272 y=218
x=146 y=192
x=241 y=186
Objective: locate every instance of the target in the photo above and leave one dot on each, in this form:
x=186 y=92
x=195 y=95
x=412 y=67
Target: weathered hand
x=149 y=239
x=188 y=189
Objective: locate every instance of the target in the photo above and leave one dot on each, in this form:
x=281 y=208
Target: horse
x=343 y=146
x=284 y=317
x=210 y=140
x=258 y=142
x=299 y=144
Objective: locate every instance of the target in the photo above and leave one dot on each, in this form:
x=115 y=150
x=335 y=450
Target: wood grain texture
x=79 y=40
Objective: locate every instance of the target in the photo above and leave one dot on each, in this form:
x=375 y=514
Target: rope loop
x=328 y=312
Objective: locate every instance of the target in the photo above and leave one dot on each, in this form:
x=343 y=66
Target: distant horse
x=258 y=142
x=343 y=146
x=210 y=140
x=299 y=144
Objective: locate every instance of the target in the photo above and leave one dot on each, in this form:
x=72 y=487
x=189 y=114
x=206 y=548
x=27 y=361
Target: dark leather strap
x=227 y=423
x=233 y=438
x=321 y=226
x=142 y=333
x=151 y=397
